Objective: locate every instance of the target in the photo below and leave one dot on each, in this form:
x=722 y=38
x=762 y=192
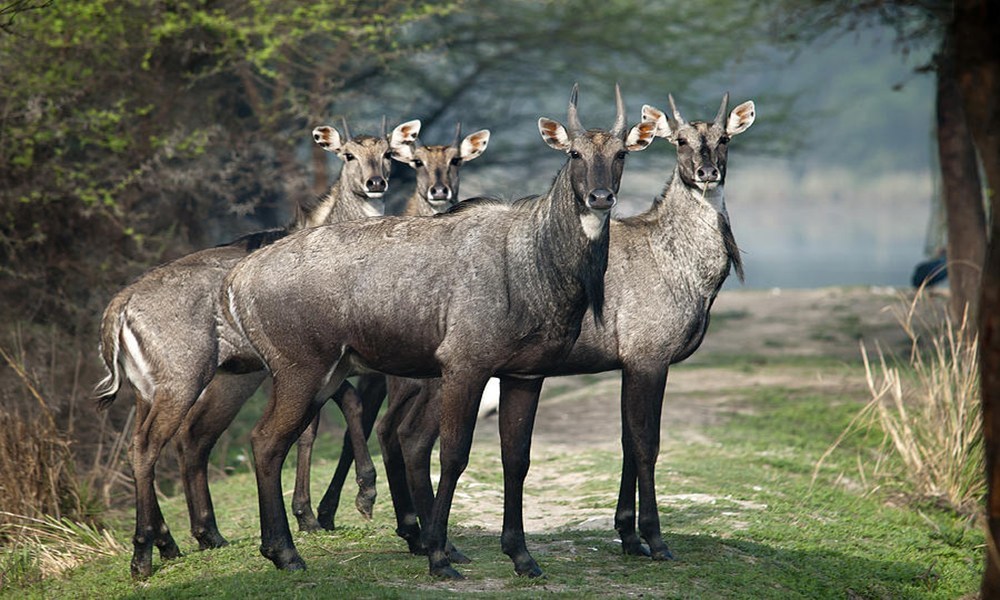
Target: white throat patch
x=715 y=197
x=375 y=207
x=593 y=222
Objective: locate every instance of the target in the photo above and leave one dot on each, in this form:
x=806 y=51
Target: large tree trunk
x=977 y=65
x=962 y=190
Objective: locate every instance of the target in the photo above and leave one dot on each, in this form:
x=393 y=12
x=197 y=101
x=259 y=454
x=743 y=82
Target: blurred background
x=135 y=131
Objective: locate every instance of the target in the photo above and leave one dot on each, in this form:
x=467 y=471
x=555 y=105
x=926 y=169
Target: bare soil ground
x=802 y=340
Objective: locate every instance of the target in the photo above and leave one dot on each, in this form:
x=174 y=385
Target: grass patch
x=742 y=513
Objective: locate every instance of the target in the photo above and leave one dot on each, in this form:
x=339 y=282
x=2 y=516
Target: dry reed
x=928 y=407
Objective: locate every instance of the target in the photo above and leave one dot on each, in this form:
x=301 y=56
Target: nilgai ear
x=651 y=114
x=640 y=136
x=474 y=144
x=327 y=138
x=405 y=134
x=741 y=118
x=403 y=153
x=554 y=134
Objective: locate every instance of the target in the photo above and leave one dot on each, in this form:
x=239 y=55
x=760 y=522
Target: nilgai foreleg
x=518 y=406
x=372 y=390
x=642 y=404
x=461 y=392
x=297 y=396
x=407 y=524
x=204 y=423
x=416 y=435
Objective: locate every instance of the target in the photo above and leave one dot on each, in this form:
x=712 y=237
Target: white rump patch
x=491 y=398
x=137 y=368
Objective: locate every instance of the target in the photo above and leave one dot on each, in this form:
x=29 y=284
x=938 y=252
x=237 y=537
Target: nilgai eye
x=574 y=154
x=388 y=154
x=724 y=139
x=682 y=142
x=348 y=156
x=622 y=155
x=417 y=162
x=456 y=161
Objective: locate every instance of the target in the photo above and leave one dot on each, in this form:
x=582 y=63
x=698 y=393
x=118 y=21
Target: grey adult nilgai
x=484 y=289
x=665 y=268
x=159 y=334
x=438 y=168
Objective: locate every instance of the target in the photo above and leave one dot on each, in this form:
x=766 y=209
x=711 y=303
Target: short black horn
x=458 y=135
x=384 y=126
x=618 y=128
x=572 y=119
x=722 y=109
x=678 y=119
x=347 y=130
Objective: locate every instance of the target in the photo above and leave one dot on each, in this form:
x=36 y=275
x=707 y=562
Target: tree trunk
x=977 y=66
x=962 y=191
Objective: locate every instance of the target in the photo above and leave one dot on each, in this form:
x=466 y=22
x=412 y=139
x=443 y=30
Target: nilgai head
x=597 y=156
x=367 y=159
x=701 y=147
x=437 y=166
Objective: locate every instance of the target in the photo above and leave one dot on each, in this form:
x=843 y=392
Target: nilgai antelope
x=665 y=267
x=159 y=333
x=437 y=169
x=510 y=286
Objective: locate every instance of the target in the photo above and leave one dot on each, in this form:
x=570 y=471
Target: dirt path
x=579 y=414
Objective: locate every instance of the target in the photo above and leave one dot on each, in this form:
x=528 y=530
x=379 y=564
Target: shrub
x=928 y=407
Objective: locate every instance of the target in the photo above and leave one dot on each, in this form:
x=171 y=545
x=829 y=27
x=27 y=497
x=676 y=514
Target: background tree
x=921 y=23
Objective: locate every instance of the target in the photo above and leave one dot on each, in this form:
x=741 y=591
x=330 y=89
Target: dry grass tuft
x=928 y=406
x=36 y=462
x=47 y=546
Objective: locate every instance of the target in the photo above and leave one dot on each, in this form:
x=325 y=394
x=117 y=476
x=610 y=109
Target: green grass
x=740 y=510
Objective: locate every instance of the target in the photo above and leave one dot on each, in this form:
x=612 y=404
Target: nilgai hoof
x=210 y=541
x=662 y=554
x=455 y=555
x=326 y=520
x=446 y=572
x=141 y=570
x=364 y=502
x=285 y=560
x=528 y=568
x=634 y=548
x=169 y=550
x=308 y=523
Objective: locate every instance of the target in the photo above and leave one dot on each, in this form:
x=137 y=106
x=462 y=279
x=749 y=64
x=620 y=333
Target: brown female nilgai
x=437 y=169
x=159 y=333
x=485 y=288
x=665 y=268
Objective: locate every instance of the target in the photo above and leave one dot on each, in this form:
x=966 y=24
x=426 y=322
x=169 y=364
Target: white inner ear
x=741 y=118
x=475 y=144
x=405 y=133
x=639 y=137
x=403 y=153
x=328 y=138
x=651 y=113
x=553 y=133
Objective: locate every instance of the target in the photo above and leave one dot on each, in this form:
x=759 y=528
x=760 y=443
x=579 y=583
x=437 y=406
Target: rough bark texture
x=963 y=196
x=977 y=64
